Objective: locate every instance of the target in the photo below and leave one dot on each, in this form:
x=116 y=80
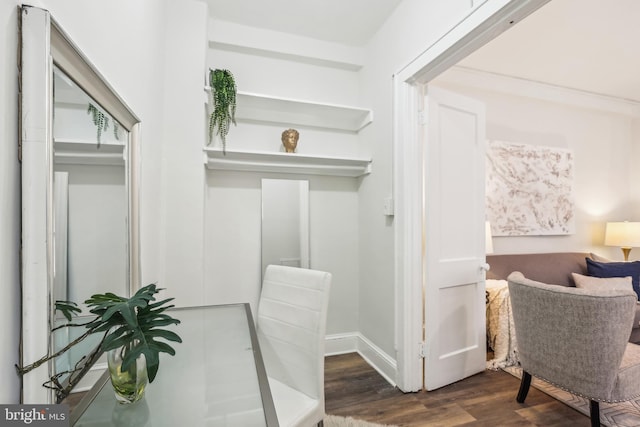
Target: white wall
x=634 y=176
x=233 y=246
x=180 y=231
x=10 y=199
x=288 y=76
x=132 y=61
x=604 y=157
x=233 y=199
x=411 y=29
x=155 y=62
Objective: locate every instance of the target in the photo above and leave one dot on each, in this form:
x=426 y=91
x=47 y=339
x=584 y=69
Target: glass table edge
x=271 y=418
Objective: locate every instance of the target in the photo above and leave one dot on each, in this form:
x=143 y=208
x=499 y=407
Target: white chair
x=291 y=324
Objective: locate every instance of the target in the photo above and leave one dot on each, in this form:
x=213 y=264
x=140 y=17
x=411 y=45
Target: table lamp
x=488 y=241
x=625 y=234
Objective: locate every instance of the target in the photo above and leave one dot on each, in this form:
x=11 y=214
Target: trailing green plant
x=101 y=122
x=116 y=130
x=223 y=93
x=136 y=321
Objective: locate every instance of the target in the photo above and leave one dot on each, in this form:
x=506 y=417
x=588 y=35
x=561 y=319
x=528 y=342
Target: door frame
x=486 y=21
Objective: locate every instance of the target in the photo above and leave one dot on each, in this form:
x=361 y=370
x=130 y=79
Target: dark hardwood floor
x=353 y=388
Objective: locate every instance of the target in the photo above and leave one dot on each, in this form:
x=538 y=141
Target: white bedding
x=500 y=329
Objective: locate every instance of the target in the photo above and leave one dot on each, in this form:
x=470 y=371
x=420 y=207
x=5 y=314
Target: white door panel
x=454 y=238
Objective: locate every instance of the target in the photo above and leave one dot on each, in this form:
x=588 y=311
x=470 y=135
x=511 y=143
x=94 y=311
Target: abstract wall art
x=529 y=189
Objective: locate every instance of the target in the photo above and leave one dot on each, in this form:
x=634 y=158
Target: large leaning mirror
x=79 y=144
x=285 y=222
x=90 y=210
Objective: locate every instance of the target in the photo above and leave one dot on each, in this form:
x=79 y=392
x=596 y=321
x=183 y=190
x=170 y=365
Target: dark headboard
x=553 y=268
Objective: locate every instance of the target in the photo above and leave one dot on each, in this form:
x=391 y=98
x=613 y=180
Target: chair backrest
x=574 y=338
x=291 y=325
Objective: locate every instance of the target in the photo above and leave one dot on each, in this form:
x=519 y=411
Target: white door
x=454 y=217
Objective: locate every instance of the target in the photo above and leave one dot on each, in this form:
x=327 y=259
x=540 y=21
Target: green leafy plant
x=136 y=321
x=223 y=93
x=101 y=122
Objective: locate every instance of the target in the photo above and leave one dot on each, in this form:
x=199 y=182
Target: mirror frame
x=43 y=44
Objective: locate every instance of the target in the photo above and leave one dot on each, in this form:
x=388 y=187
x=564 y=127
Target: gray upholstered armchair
x=576 y=339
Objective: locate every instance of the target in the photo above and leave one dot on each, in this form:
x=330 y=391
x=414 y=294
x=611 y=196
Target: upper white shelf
x=266 y=108
x=286 y=163
x=80 y=152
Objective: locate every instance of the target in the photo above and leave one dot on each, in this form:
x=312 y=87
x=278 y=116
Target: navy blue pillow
x=616 y=269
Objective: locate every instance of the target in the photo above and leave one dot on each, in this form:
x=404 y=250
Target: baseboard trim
x=341 y=343
x=355 y=342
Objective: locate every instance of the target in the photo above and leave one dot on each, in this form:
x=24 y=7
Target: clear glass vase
x=128 y=384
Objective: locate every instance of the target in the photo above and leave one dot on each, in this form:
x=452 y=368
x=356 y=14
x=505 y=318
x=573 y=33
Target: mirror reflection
x=90 y=206
x=285 y=222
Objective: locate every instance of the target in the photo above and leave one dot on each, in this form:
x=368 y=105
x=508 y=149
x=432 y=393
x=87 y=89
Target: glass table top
x=216 y=378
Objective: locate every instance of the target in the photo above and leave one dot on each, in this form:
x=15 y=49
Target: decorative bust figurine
x=290 y=140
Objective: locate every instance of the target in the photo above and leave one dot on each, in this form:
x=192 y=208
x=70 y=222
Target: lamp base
x=625 y=252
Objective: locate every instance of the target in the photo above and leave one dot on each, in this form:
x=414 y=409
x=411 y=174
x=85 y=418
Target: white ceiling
x=350 y=22
x=590 y=45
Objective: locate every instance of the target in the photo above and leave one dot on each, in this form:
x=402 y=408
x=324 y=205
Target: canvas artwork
x=529 y=189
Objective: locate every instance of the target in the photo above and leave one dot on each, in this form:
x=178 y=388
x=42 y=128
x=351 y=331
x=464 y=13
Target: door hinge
x=422 y=350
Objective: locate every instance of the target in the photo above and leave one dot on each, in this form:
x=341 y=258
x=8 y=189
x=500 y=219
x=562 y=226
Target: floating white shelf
x=286 y=163
x=78 y=152
x=273 y=109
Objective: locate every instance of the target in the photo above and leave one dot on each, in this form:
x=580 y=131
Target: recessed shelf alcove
x=253 y=107
x=281 y=162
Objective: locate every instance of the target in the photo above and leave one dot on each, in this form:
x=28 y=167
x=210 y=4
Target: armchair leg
x=594 y=409
x=525 y=383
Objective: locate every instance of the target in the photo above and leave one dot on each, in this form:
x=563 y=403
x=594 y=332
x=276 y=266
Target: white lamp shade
x=488 y=241
x=622 y=234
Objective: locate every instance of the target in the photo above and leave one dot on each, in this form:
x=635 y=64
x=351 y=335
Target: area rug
x=337 y=421
x=625 y=414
